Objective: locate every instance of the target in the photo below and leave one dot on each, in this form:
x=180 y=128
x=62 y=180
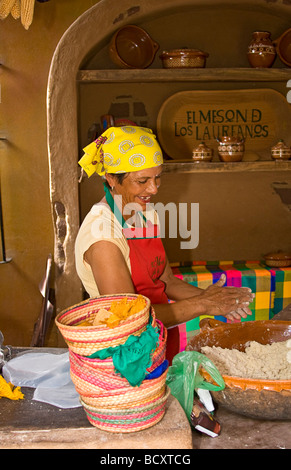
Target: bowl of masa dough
x=254 y=359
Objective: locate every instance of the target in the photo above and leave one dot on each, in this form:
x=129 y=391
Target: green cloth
x=132 y=358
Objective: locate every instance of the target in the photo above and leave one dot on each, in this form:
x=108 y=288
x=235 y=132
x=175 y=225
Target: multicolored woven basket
x=108 y=399
x=85 y=340
x=105 y=366
x=134 y=418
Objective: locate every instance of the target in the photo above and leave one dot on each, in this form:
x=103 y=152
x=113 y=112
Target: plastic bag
x=48 y=373
x=183 y=378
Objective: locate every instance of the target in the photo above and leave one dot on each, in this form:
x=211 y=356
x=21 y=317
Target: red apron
x=148 y=260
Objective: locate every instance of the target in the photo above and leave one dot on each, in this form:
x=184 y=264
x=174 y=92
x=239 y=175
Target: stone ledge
x=172 y=432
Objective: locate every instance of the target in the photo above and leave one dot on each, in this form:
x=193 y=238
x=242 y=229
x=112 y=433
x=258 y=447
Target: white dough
x=269 y=361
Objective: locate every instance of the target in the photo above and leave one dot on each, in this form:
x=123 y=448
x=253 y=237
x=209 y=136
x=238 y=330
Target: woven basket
x=95 y=375
x=137 y=417
x=95 y=396
x=93 y=365
x=85 y=340
x=109 y=401
x=112 y=404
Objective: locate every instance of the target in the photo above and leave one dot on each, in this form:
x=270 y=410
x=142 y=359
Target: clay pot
x=261 y=50
x=132 y=47
x=255 y=398
x=230 y=149
x=283 y=48
x=184 y=58
x=278 y=260
x=202 y=153
x=281 y=151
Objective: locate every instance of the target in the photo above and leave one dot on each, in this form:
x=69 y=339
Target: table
x=27 y=424
x=34 y=425
x=272 y=287
x=242 y=432
x=30 y=424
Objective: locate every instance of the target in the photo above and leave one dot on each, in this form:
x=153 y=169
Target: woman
x=118 y=248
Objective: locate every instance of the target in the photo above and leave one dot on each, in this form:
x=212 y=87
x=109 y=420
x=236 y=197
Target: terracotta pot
x=230 y=149
x=281 y=151
x=261 y=50
x=255 y=398
x=132 y=47
x=278 y=260
x=202 y=153
x=184 y=58
x=283 y=47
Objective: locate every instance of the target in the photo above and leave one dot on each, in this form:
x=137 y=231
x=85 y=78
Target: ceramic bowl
x=184 y=58
x=132 y=47
x=281 y=151
x=283 y=47
x=261 y=399
x=230 y=149
x=202 y=153
x=278 y=260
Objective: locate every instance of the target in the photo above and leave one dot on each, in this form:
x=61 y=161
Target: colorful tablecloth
x=272 y=287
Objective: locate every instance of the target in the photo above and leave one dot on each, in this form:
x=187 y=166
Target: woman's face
x=138 y=186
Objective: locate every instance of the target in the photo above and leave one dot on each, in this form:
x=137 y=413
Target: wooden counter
x=28 y=424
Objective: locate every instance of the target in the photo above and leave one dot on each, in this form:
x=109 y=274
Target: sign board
x=187 y=118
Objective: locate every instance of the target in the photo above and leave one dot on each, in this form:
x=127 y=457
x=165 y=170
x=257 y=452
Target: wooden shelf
x=184 y=75
x=152 y=75
x=188 y=166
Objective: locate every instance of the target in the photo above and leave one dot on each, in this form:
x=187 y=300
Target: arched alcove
x=91 y=31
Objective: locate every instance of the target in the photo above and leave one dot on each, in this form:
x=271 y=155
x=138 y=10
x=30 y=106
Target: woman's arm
x=192 y=301
x=109 y=268
x=177 y=289
x=112 y=276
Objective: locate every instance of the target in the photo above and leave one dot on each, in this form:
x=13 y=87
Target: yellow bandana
x=121 y=150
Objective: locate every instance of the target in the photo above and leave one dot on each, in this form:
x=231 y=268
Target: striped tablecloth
x=272 y=287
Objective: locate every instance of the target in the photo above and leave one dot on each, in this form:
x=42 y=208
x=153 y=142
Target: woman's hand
x=231 y=302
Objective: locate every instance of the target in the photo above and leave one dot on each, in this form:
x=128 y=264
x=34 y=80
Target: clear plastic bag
x=184 y=377
x=48 y=373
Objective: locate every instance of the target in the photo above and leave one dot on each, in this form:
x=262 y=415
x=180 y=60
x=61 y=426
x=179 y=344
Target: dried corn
x=15 y=11
x=5 y=8
x=27 y=9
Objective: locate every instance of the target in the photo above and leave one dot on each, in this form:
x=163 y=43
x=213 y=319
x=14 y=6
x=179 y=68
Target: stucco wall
x=25 y=57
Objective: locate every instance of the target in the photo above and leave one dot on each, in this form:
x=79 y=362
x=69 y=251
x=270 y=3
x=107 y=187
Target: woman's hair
x=119 y=176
